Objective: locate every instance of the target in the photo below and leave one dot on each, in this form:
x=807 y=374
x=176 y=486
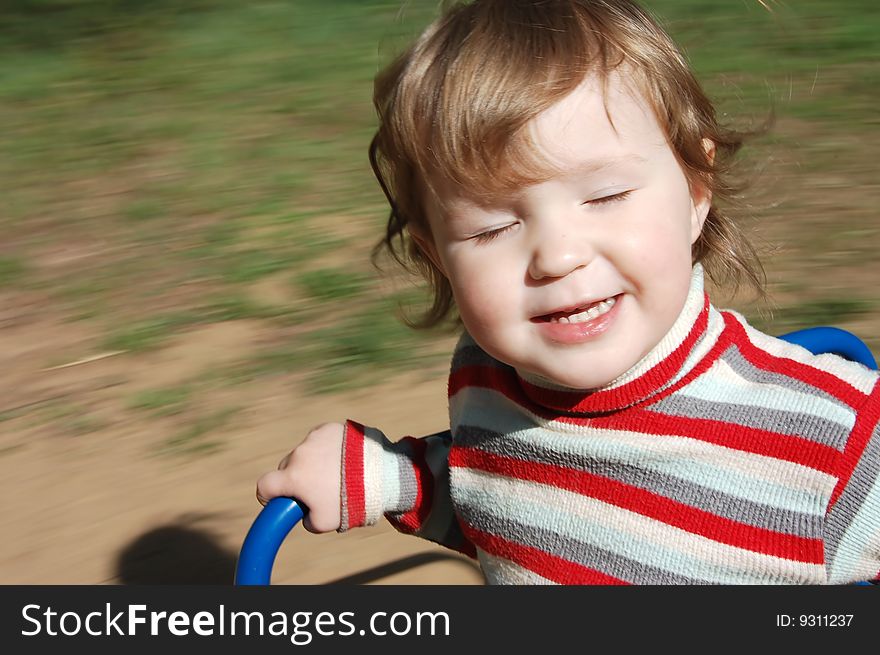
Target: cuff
x=361 y=489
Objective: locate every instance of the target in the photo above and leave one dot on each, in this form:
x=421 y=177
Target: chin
x=581 y=382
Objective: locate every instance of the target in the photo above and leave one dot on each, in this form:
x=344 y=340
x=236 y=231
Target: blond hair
x=453 y=107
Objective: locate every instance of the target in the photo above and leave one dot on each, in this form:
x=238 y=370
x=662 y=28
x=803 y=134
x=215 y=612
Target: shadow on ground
x=400 y=565
x=183 y=553
x=179 y=553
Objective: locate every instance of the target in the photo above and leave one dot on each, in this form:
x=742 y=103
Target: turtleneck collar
x=692 y=335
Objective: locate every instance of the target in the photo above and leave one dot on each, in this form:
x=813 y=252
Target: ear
x=702 y=197
x=425 y=242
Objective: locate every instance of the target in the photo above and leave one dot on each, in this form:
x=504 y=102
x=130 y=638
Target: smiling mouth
x=581 y=314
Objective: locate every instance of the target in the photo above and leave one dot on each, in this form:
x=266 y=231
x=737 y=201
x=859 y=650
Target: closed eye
x=604 y=200
x=486 y=237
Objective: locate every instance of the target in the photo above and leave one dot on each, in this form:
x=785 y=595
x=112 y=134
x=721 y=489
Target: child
x=556 y=168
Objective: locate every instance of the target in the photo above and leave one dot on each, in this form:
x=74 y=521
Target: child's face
x=615 y=225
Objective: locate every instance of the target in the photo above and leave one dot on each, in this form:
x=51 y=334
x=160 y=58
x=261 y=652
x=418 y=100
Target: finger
x=274 y=484
x=284 y=461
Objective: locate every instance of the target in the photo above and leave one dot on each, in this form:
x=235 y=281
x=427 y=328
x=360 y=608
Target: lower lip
x=572 y=333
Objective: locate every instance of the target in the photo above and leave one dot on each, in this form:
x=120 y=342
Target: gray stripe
x=408 y=488
x=864 y=477
x=572 y=550
x=748 y=371
x=809 y=426
x=473 y=355
x=710 y=500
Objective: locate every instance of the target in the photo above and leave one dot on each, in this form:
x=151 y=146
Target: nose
x=558 y=252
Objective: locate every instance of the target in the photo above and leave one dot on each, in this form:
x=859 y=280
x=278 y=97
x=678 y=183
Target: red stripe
x=412 y=520
x=791 y=448
x=807 y=374
x=497 y=379
x=866 y=422
x=549 y=566
x=646 y=503
x=699 y=368
x=354 y=474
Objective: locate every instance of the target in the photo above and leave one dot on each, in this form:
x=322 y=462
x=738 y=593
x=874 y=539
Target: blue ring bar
x=819 y=340
x=264 y=539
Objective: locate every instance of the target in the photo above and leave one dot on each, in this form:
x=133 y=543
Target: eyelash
x=609 y=199
x=486 y=237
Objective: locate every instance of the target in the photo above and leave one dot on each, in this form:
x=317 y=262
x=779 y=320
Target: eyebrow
x=590 y=166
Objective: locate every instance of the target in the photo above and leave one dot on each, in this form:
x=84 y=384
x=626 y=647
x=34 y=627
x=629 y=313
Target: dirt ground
x=104 y=507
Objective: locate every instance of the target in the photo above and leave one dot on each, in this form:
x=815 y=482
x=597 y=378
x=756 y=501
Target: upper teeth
x=596 y=310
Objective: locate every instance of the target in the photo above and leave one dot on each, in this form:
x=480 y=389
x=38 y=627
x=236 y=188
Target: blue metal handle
x=820 y=340
x=264 y=539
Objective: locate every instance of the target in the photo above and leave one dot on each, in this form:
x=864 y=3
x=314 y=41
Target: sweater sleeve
x=853 y=518
x=407 y=481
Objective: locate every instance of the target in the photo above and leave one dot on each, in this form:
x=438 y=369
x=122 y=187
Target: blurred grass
x=11 y=269
x=160 y=161
x=162 y=402
x=830 y=311
x=331 y=283
x=199 y=436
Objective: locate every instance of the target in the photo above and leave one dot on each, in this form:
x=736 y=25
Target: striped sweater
x=725 y=456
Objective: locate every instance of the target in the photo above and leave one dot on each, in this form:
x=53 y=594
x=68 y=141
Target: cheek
x=662 y=231
x=483 y=294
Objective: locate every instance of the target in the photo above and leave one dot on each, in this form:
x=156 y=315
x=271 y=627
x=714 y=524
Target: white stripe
x=855 y=374
x=739 y=473
x=373 y=479
x=627 y=533
x=724 y=385
x=390 y=480
x=858 y=554
x=678 y=333
x=713 y=330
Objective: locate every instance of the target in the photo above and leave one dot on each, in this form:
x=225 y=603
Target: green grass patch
x=145 y=209
x=10 y=414
x=371 y=341
x=374 y=341
x=233 y=305
x=330 y=284
x=12 y=270
x=251 y=265
x=162 y=402
x=288 y=358
x=71 y=418
x=149 y=333
x=200 y=436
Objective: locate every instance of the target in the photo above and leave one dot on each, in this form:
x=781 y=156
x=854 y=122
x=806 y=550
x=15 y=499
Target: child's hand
x=311 y=473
